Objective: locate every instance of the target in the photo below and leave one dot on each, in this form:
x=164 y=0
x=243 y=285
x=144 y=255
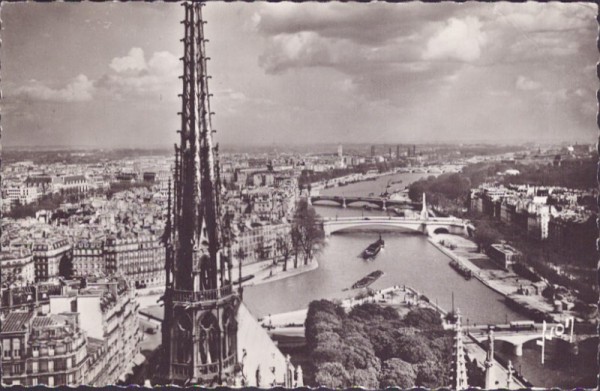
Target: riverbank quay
x=267 y=271
x=520 y=293
x=263 y=272
x=370 y=176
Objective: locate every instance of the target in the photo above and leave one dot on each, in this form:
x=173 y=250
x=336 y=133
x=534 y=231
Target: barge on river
x=373 y=248
x=367 y=280
x=463 y=271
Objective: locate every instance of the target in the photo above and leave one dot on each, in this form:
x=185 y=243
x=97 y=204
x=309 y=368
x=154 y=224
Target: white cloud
x=305 y=48
x=554 y=16
x=544 y=46
x=133 y=75
x=459 y=39
x=525 y=84
x=164 y=63
x=80 y=89
x=133 y=61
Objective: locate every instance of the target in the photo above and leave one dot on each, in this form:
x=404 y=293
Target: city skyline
x=106 y=75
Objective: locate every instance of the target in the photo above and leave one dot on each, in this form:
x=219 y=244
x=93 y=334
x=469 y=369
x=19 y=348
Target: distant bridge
x=427 y=225
x=344 y=201
x=518 y=338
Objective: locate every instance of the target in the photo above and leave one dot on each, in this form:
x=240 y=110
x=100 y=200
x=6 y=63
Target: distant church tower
x=199 y=331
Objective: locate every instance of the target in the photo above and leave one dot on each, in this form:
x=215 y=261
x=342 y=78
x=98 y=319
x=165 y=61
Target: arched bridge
x=343 y=201
x=518 y=338
x=427 y=226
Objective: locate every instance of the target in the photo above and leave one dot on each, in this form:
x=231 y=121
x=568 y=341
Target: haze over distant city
x=106 y=74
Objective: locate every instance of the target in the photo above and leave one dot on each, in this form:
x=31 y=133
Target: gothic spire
x=198 y=228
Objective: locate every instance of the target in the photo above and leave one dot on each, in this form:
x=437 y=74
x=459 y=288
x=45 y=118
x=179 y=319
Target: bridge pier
x=518 y=350
x=344 y=202
x=383 y=206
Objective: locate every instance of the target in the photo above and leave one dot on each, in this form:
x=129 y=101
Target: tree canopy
x=372 y=346
x=307 y=231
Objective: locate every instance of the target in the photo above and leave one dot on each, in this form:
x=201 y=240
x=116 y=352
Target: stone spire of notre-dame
x=201 y=306
x=490 y=377
x=459 y=378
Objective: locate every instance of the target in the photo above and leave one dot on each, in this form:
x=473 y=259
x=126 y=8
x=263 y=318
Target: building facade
x=48 y=253
x=40 y=349
x=504 y=255
x=69 y=335
x=17 y=267
x=108 y=312
x=259 y=243
x=88 y=258
x=140 y=258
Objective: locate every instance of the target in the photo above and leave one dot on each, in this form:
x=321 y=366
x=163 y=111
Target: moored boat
x=373 y=248
x=367 y=280
x=463 y=271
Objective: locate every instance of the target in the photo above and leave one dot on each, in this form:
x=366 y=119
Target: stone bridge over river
x=427 y=226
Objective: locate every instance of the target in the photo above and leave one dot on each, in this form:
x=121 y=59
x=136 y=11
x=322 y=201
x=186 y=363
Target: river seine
x=407 y=259
x=410 y=259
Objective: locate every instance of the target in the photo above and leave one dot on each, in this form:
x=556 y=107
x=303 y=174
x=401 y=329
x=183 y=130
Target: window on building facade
x=51 y=381
x=50 y=366
x=34 y=381
x=34 y=367
x=36 y=351
x=6 y=348
x=16 y=348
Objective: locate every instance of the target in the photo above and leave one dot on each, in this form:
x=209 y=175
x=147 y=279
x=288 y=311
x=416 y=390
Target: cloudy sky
x=106 y=73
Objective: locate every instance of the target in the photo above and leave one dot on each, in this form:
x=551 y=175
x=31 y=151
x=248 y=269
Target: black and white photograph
x=299 y=194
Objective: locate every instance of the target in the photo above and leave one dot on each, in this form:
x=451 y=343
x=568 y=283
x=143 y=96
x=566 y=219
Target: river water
x=407 y=259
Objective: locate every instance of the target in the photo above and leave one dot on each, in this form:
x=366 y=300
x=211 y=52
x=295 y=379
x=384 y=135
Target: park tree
x=413 y=349
x=241 y=255
x=486 y=235
x=295 y=236
x=366 y=378
x=383 y=338
x=359 y=342
x=309 y=229
x=397 y=373
x=371 y=311
x=431 y=374
x=284 y=247
x=332 y=375
x=424 y=318
x=358 y=352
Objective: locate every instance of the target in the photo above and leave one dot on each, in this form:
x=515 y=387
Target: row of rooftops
x=565 y=201
x=109 y=288
x=47 y=179
x=50 y=326
x=15 y=254
x=124 y=217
